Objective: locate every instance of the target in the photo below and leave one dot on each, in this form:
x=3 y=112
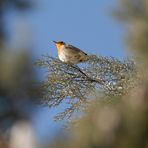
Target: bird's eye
x=61 y=42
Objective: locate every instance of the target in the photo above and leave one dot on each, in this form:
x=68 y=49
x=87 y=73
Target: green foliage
x=18 y=4
x=6 y=5
x=129 y=11
x=134 y=14
x=76 y=85
x=16 y=73
x=111 y=126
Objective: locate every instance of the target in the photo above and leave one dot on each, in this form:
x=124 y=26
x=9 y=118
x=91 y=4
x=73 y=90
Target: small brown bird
x=70 y=54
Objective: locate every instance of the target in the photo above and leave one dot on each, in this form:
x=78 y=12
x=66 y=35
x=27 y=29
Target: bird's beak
x=55 y=42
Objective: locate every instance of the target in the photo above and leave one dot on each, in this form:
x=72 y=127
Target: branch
x=75 y=84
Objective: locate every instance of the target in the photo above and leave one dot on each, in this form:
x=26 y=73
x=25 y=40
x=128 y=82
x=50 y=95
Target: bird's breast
x=62 y=56
x=59 y=47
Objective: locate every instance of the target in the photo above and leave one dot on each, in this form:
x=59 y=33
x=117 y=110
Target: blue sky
x=83 y=23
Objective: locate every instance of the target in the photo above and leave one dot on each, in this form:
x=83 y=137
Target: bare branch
x=76 y=83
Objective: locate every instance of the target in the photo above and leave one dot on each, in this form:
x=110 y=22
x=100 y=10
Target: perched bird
x=70 y=54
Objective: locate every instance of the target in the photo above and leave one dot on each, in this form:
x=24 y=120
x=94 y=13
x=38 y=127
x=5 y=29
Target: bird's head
x=59 y=44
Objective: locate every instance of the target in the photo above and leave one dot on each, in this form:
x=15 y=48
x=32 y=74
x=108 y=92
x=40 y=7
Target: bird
x=70 y=54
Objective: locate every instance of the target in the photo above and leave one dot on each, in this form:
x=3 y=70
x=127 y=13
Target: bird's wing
x=74 y=49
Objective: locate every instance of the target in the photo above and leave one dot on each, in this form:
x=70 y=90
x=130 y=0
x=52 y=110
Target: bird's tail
x=86 y=57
